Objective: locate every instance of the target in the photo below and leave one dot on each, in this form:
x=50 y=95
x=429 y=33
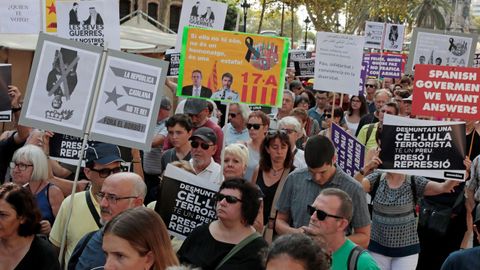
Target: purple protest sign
x=350 y=152
x=388 y=65
x=363 y=74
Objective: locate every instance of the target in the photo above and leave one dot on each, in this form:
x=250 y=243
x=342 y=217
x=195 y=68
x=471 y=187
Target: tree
x=429 y=13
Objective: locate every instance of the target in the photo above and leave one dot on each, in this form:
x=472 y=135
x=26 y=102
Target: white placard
x=129 y=100
x=374 y=34
x=60 y=85
x=338 y=61
x=94 y=22
x=393 y=40
x=204 y=14
x=20 y=16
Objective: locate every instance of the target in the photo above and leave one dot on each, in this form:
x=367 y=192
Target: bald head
x=121 y=191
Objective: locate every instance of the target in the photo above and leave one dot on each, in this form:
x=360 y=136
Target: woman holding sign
x=394 y=242
x=230 y=242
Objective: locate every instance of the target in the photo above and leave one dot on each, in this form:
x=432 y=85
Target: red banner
x=445 y=91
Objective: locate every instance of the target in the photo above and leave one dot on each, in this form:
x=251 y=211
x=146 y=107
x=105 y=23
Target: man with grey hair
x=119 y=192
x=236 y=130
x=287 y=107
x=152 y=159
x=330 y=214
x=294 y=130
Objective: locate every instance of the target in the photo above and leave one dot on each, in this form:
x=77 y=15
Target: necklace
x=276 y=172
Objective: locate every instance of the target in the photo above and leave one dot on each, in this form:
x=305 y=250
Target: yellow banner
x=50 y=12
x=232 y=66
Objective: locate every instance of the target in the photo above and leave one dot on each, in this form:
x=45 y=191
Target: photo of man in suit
x=197 y=90
x=73 y=15
x=194 y=11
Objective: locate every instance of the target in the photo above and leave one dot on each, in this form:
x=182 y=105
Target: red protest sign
x=446 y=91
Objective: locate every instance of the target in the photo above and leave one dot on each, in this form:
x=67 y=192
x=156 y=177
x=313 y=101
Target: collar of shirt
x=234 y=131
x=334 y=180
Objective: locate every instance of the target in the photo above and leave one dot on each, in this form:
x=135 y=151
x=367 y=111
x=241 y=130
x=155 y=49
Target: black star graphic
x=113 y=96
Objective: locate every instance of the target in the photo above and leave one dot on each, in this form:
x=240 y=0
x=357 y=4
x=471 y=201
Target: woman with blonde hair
x=235 y=161
x=138 y=239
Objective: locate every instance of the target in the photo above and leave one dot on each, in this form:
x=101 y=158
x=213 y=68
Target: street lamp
x=306 y=21
x=245 y=6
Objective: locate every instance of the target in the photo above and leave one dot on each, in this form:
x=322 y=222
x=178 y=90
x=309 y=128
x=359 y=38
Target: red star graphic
x=52 y=9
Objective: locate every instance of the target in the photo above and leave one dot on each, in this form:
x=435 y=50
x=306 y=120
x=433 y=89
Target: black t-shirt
x=40 y=256
x=7 y=148
x=200 y=249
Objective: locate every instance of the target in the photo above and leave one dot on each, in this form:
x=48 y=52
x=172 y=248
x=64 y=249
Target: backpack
x=353 y=257
x=374 y=189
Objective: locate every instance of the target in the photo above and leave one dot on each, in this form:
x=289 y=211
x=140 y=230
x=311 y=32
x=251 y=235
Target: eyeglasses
x=370 y=85
x=254 y=126
x=196 y=144
x=229 y=198
x=387 y=112
x=111 y=198
x=106 y=172
x=232 y=115
x=321 y=215
x=356 y=100
x=275 y=132
x=289 y=131
x=328 y=115
x=21 y=166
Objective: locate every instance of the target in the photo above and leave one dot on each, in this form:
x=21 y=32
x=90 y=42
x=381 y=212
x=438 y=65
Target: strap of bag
x=273 y=210
x=413 y=186
x=238 y=247
x=92 y=209
x=72 y=262
x=373 y=192
x=369 y=132
x=353 y=257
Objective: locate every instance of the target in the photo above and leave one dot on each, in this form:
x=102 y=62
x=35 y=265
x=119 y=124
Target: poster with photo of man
x=204 y=14
x=393 y=37
x=60 y=86
x=94 y=22
x=441 y=48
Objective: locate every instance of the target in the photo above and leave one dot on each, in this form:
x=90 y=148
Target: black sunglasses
x=321 y=215
x=232 y=115
x=229 y=198
x=370 y=85
x=196 y=144
x=255 y=126
x=274 y=132
x=328 y=115
x=106 y=172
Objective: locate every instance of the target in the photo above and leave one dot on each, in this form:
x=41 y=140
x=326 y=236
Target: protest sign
x=386 y=65
x=374 y=34
x=451 y=92
x=476 y=60
x=205 y=14
x=60 y=86
x=5 y=81
x=350 y=152
x=440 y=48
x=186 y=200
x=173 y=59
x=49 y=11
x=393 y=37
x=305 y=67
x=20 y=16
x=295 y=55
x=244 y=67
x=420 y=147
x=338 y=62
x=129 y=100
x=94 y=22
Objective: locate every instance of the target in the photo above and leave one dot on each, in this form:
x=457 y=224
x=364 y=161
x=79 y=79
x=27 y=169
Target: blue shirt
x=92 y=255
x=468 y=259
x=315 y=115
x=233 y=136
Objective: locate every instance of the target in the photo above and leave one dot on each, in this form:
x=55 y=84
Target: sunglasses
x=321 y=215
x=106 y=172
x=229 y=198
x=275 y=132
x=328 y=115
x=370 y=85
x=254 y=126
x=196 y=144
x=288 y=131
x=232 y=115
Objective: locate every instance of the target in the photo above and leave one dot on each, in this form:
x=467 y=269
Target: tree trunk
x=262 y=13
x=283 y=19
x=292 y=13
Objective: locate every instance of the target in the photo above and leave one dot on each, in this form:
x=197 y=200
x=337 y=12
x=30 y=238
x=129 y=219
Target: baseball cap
x=102 y=153
x=205 y=134
x=166 y=104
x=194 y=106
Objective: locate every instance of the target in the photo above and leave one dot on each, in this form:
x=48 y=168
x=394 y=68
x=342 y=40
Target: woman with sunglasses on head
x=276 y=162
x=257 y=125
x=356 y=109
x=137 y=239
x=20 y=248
x=230 y=242
x=29 y=168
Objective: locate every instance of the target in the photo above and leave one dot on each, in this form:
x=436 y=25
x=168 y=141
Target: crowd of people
x=282 y=201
